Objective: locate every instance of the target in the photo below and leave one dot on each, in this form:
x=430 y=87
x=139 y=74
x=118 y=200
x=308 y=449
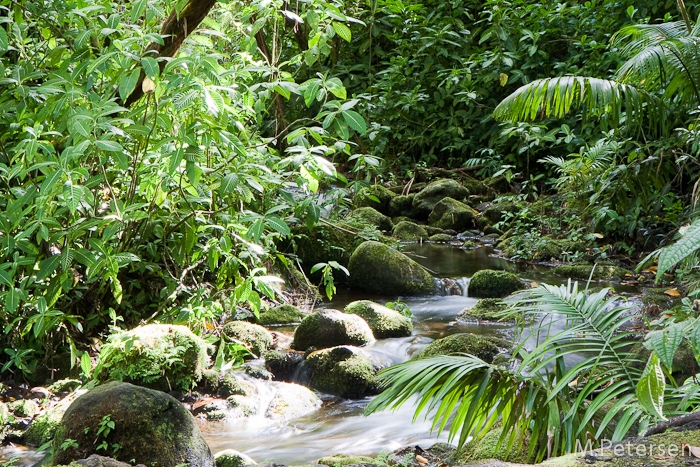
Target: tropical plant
x=556 y=402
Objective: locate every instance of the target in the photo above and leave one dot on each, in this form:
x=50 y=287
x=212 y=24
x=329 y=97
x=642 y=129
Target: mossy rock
x=384 y=195
x=232 y=458
x=433 y=230
x=256 y=337
x=232 y=385
x=330 y=328
x=159 y=356
x=375 y=267
x=373 y=217
x=485 y=448
x=583 y=271
x=441 y=238
x=542 y=249
x=499 y=212
x=398 y=219
x=291 y=401
x=485 y=309
x=483 y=347
x=343 y=371
x=452 y=214
x=282 y=364
x=488 y=283
x=408 y=231
x=492 y=230
x=241 y=406
x=24 y=408
x=210 y=380
x=401 y=205
x=283 y=314
x=324 y=244
x=339 y=460
x=383 y=321
x=64 y=385
x=150 y=427
x=684 y=364
x=425 y=201
x=43 y=427
x=661 y=300
x=469 y=245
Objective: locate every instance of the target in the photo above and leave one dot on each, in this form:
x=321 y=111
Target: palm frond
x=612 y=101
x=634 y=38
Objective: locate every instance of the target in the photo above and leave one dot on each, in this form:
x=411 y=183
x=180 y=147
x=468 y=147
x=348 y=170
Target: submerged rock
x=408 y=231
x=425 y=201
x=451 y=214
x=383 y=321
x=150 y=427
x=373 y=217
x=329 y=328
x=257 y=338
x=485 y=309
x=483 y=347
x=488 y=283
x=343 y=371
x=146 y=355
x=375 y=267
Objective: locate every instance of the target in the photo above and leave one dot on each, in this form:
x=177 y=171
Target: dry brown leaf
x=421 y=460
x=597 y=235
x=692 y=450
x=534 y=284
x=672 y=293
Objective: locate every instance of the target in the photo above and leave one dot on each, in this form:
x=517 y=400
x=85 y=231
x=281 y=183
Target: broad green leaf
x=228 y=184
x=651 y=388
x=4 y=42
x=137 y=9
x=278 y=225
x=12 y=299
x=255 y=231
x=85 y=364
x=128 y=83
x=665 y=343
x=117 y=291
x=109 y=146
x=150 y=66
x=72 y=195
x=49 y=181
x=5 y=278
x=342 y=30
x=355 y=121
x=283 y=92
x=48 y=266
x=677 y=252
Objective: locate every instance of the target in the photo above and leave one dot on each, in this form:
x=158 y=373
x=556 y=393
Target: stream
x=340 y=426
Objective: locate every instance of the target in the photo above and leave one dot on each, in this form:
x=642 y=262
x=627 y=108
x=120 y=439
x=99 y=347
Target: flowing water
x=340 y=426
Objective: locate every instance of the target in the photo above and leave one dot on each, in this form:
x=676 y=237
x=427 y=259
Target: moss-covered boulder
x=383 y=321
x=498 y=212
x=329 y=328
x=44 y=425
x=23 y=408
x=282 y=364
x=291 y=401
x=339 y=460
x=343 y=371
x=232 y=458
x=159 y=356
x=257 y=338
x=600 y=272
x=279 y=315
x=233 y=384
x=408 y=231
x=488 y=283
x=452 y=214
x=684 y=364
x=483 y=347
x=325 y=243
x=373 y=217
x=383 y=196
x=150 y=427
x=401 y=206
x=485 y=448
x=375 y=267
x=64 y=385
x=425 y=201
x=441 y=238
x=486 y=309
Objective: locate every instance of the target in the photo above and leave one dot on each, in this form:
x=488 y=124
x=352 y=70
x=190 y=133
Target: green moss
x=43 y=427
x=256 y=337
x=684 y=364
x=283 y=314
x=243 y=405
x=374 y=267
x=661 y=300
x=384 y=322
x=64 y=385
x=159 y=356
x=469 y=245
x=485 y=448
x=499 y=212
x=425 y=201
x=483 y=347
x=583 y=271
x=373 y=217
x=452 y=214
x=210 y=379
x=339 y=460
x=235 y=385
x=401 y=206
x=433 y=230
x=399 y=219
x=485 y=309
x=329 y=328
x=24 y=408
x=232 y=458
x=441 y=238
x=343 y=371
x=408 y=231
x=384 y=195
x=488 y=283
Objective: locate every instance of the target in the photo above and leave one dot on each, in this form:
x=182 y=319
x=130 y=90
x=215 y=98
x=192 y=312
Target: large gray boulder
x=383 y=321
x=375 y=267
x=425 y=201
x=149 y=427
x=329 y=328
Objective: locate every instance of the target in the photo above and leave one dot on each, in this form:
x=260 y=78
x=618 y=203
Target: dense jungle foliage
x=157 y=156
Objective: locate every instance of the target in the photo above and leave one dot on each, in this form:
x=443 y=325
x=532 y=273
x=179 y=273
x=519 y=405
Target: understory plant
x=543 y=394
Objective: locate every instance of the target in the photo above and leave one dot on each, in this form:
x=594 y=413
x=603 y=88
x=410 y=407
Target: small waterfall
x=463 y=282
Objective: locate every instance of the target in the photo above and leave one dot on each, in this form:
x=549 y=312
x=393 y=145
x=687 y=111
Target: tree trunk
x=176 y=29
